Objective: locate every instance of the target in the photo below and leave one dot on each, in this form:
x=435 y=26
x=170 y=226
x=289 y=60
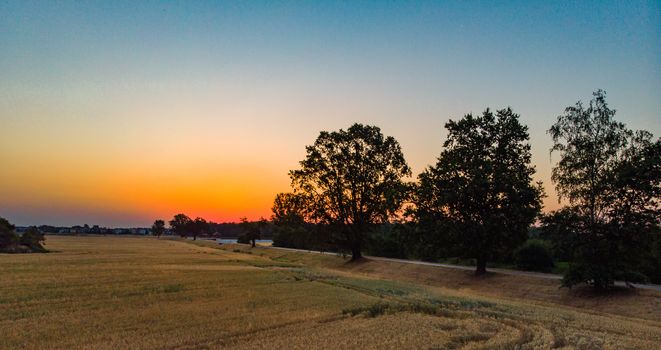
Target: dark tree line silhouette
x=479 y=200
x=184 y=226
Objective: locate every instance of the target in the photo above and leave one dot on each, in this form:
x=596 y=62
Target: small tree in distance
x=181 y=225
x=33 y=238
x=290 y=227
x=158 y=228
x=252 y=230
x=199 y=227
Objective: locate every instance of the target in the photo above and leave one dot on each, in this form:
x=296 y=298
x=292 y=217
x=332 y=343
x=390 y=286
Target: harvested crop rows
x=118 y=292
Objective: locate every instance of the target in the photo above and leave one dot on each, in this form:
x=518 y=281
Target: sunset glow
x=121 y=113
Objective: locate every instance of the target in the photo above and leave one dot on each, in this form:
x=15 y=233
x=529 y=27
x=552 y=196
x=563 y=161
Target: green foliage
x=651 y=261
x=33 y=239
x=562 y=229
x=390 y=240
x=534 y=255
x=480 y=193
x=590 y=143
x=290 y=228
x=30 y=241
x=352 y=179
x=611 y=178
x=158 y=228
x=8 y=237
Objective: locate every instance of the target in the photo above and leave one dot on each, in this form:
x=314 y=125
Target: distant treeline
x=87 y=229
x=216 y=230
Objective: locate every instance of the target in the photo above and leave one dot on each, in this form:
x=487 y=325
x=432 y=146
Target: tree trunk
x=194 y=237
x=356 y=253
x=481 y=266
x=252 y=241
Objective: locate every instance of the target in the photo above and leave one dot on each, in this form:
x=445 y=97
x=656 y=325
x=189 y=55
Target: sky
x=117 y=113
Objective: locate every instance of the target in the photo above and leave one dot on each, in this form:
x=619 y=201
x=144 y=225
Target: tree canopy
x=158 y=228
x=481 y=189
x=181 y=225
x=351 y=180
x=252 y=230
x=199 y=227
x=611 y=177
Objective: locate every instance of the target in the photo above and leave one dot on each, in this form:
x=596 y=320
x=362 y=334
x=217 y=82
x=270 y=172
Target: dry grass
x=126 y=292
x=633 y=303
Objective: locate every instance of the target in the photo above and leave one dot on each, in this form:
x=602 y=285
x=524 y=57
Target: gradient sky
x=117 y=113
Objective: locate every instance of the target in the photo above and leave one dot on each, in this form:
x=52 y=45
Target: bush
x=243 y=239
x=33 y=239
x=8 y=237
x=29 y=241
x=299 y=236
x=389 y=240
x=534 y=255
x=650 y=264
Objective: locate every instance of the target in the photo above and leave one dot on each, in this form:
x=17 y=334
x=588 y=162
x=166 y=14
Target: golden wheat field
x=143 y=293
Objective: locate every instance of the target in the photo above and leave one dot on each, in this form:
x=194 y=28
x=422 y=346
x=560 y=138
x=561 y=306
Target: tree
x=252 y=230
x=352 y=179
x=610 y=176
x=199 y=227
x=158 y=228
x=33 y=239
x=562 y=229
x=534 y=255
x=290 y=228
x=8 y=237
x=481 y=192
x=181 y=224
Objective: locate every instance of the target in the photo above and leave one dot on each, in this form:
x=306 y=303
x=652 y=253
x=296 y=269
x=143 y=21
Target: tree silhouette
x=290 y=227
x=352 y=179
x=199 y=227
x=611 y=177
x=481 y=189
x=10 y=242
x=33 y=239
x=158 y=228
x=8 y=237
x=252 y=230
x=181 y=225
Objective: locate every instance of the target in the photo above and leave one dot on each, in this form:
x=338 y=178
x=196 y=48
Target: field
x=131 y=292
